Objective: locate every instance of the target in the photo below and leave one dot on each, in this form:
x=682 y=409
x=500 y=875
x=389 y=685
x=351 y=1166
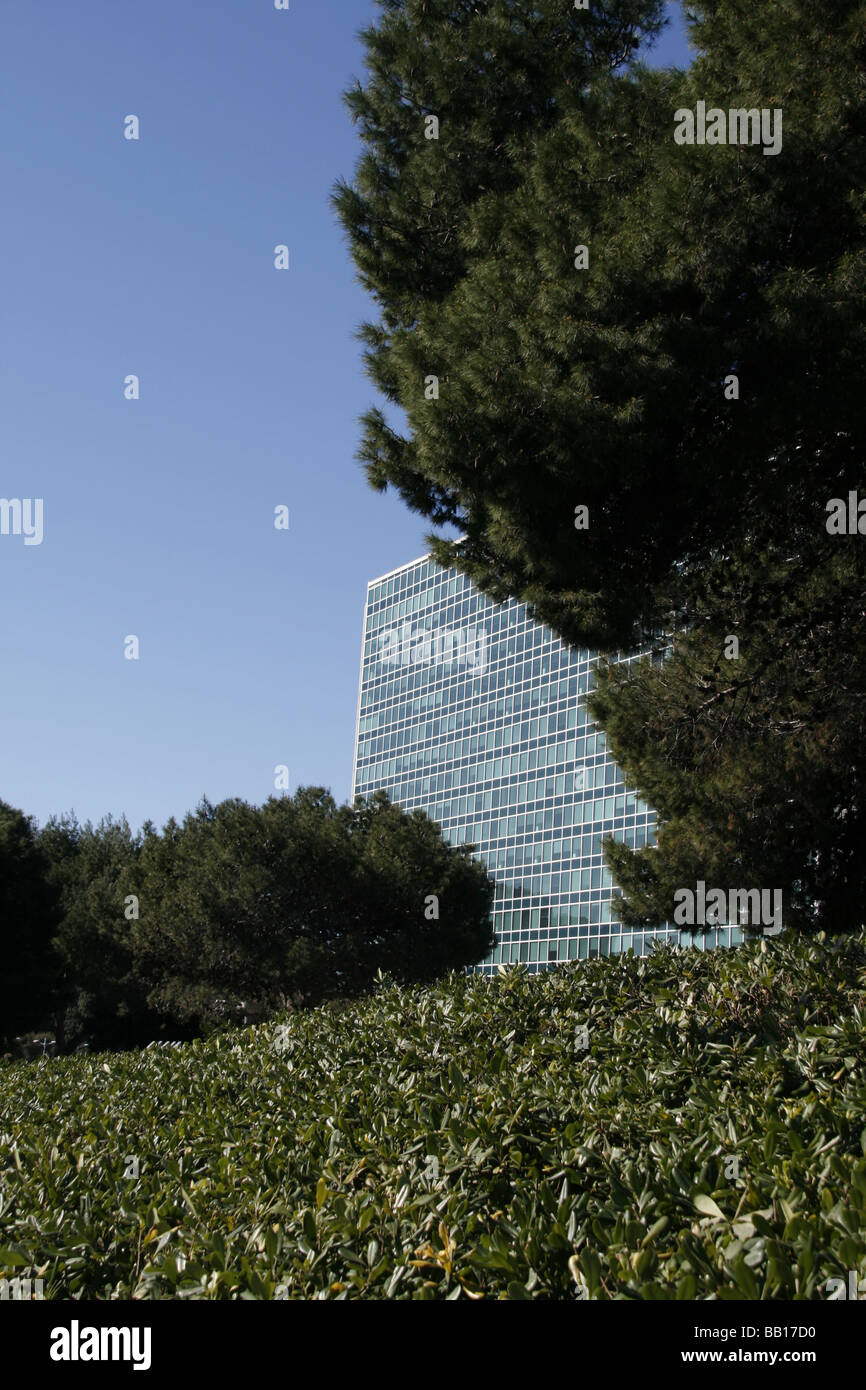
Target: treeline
x=115 y=938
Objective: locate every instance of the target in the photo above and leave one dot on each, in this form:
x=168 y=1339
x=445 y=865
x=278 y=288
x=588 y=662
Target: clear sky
x=156 y=258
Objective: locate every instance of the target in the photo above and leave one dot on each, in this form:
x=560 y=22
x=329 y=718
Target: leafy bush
x=460 y=1140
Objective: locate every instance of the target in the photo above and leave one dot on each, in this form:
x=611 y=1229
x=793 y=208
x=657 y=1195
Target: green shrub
x=459 y=1140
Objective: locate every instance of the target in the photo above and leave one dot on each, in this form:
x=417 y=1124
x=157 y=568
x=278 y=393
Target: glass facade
x=472 y=711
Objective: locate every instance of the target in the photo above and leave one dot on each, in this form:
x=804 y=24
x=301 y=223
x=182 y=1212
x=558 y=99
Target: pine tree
x=298 y=901
x=669 y=336
x=28 y=918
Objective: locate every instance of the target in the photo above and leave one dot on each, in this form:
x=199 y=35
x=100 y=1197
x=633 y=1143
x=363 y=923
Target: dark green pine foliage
x=755 y=764
x=606 y=387
x=28 y=917
x=113 y=939
x=94 y=870
x=466 y=241
x=299 y=901
x=429 y=901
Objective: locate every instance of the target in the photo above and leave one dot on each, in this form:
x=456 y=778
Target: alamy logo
x=836 y=1288
x=102 y=1344
x=847 y=520
x=422 y=646
x=735 y=127
x=22 y=516
x=21 y=1290
x=739 y=907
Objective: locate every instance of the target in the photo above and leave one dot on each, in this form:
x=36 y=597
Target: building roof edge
x=428 y=554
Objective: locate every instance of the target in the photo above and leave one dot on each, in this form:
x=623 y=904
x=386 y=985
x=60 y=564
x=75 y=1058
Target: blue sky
x=155 y=257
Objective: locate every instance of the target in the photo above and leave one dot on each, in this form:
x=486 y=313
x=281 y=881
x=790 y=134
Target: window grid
x=496 y=746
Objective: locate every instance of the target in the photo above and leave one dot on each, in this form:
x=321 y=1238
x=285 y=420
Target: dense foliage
x=703 y=1138
x=114 y=938
x=301 y=900
x=29 y=914
x=755 y=765
x=607 y=382
x=102 y=999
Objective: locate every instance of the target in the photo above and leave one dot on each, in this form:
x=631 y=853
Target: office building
x=472 y=711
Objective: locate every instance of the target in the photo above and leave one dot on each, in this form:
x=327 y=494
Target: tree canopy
x=302 y=900
x=604 y=386
x=668 y=335
x=28 y=918
x=115 y=938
